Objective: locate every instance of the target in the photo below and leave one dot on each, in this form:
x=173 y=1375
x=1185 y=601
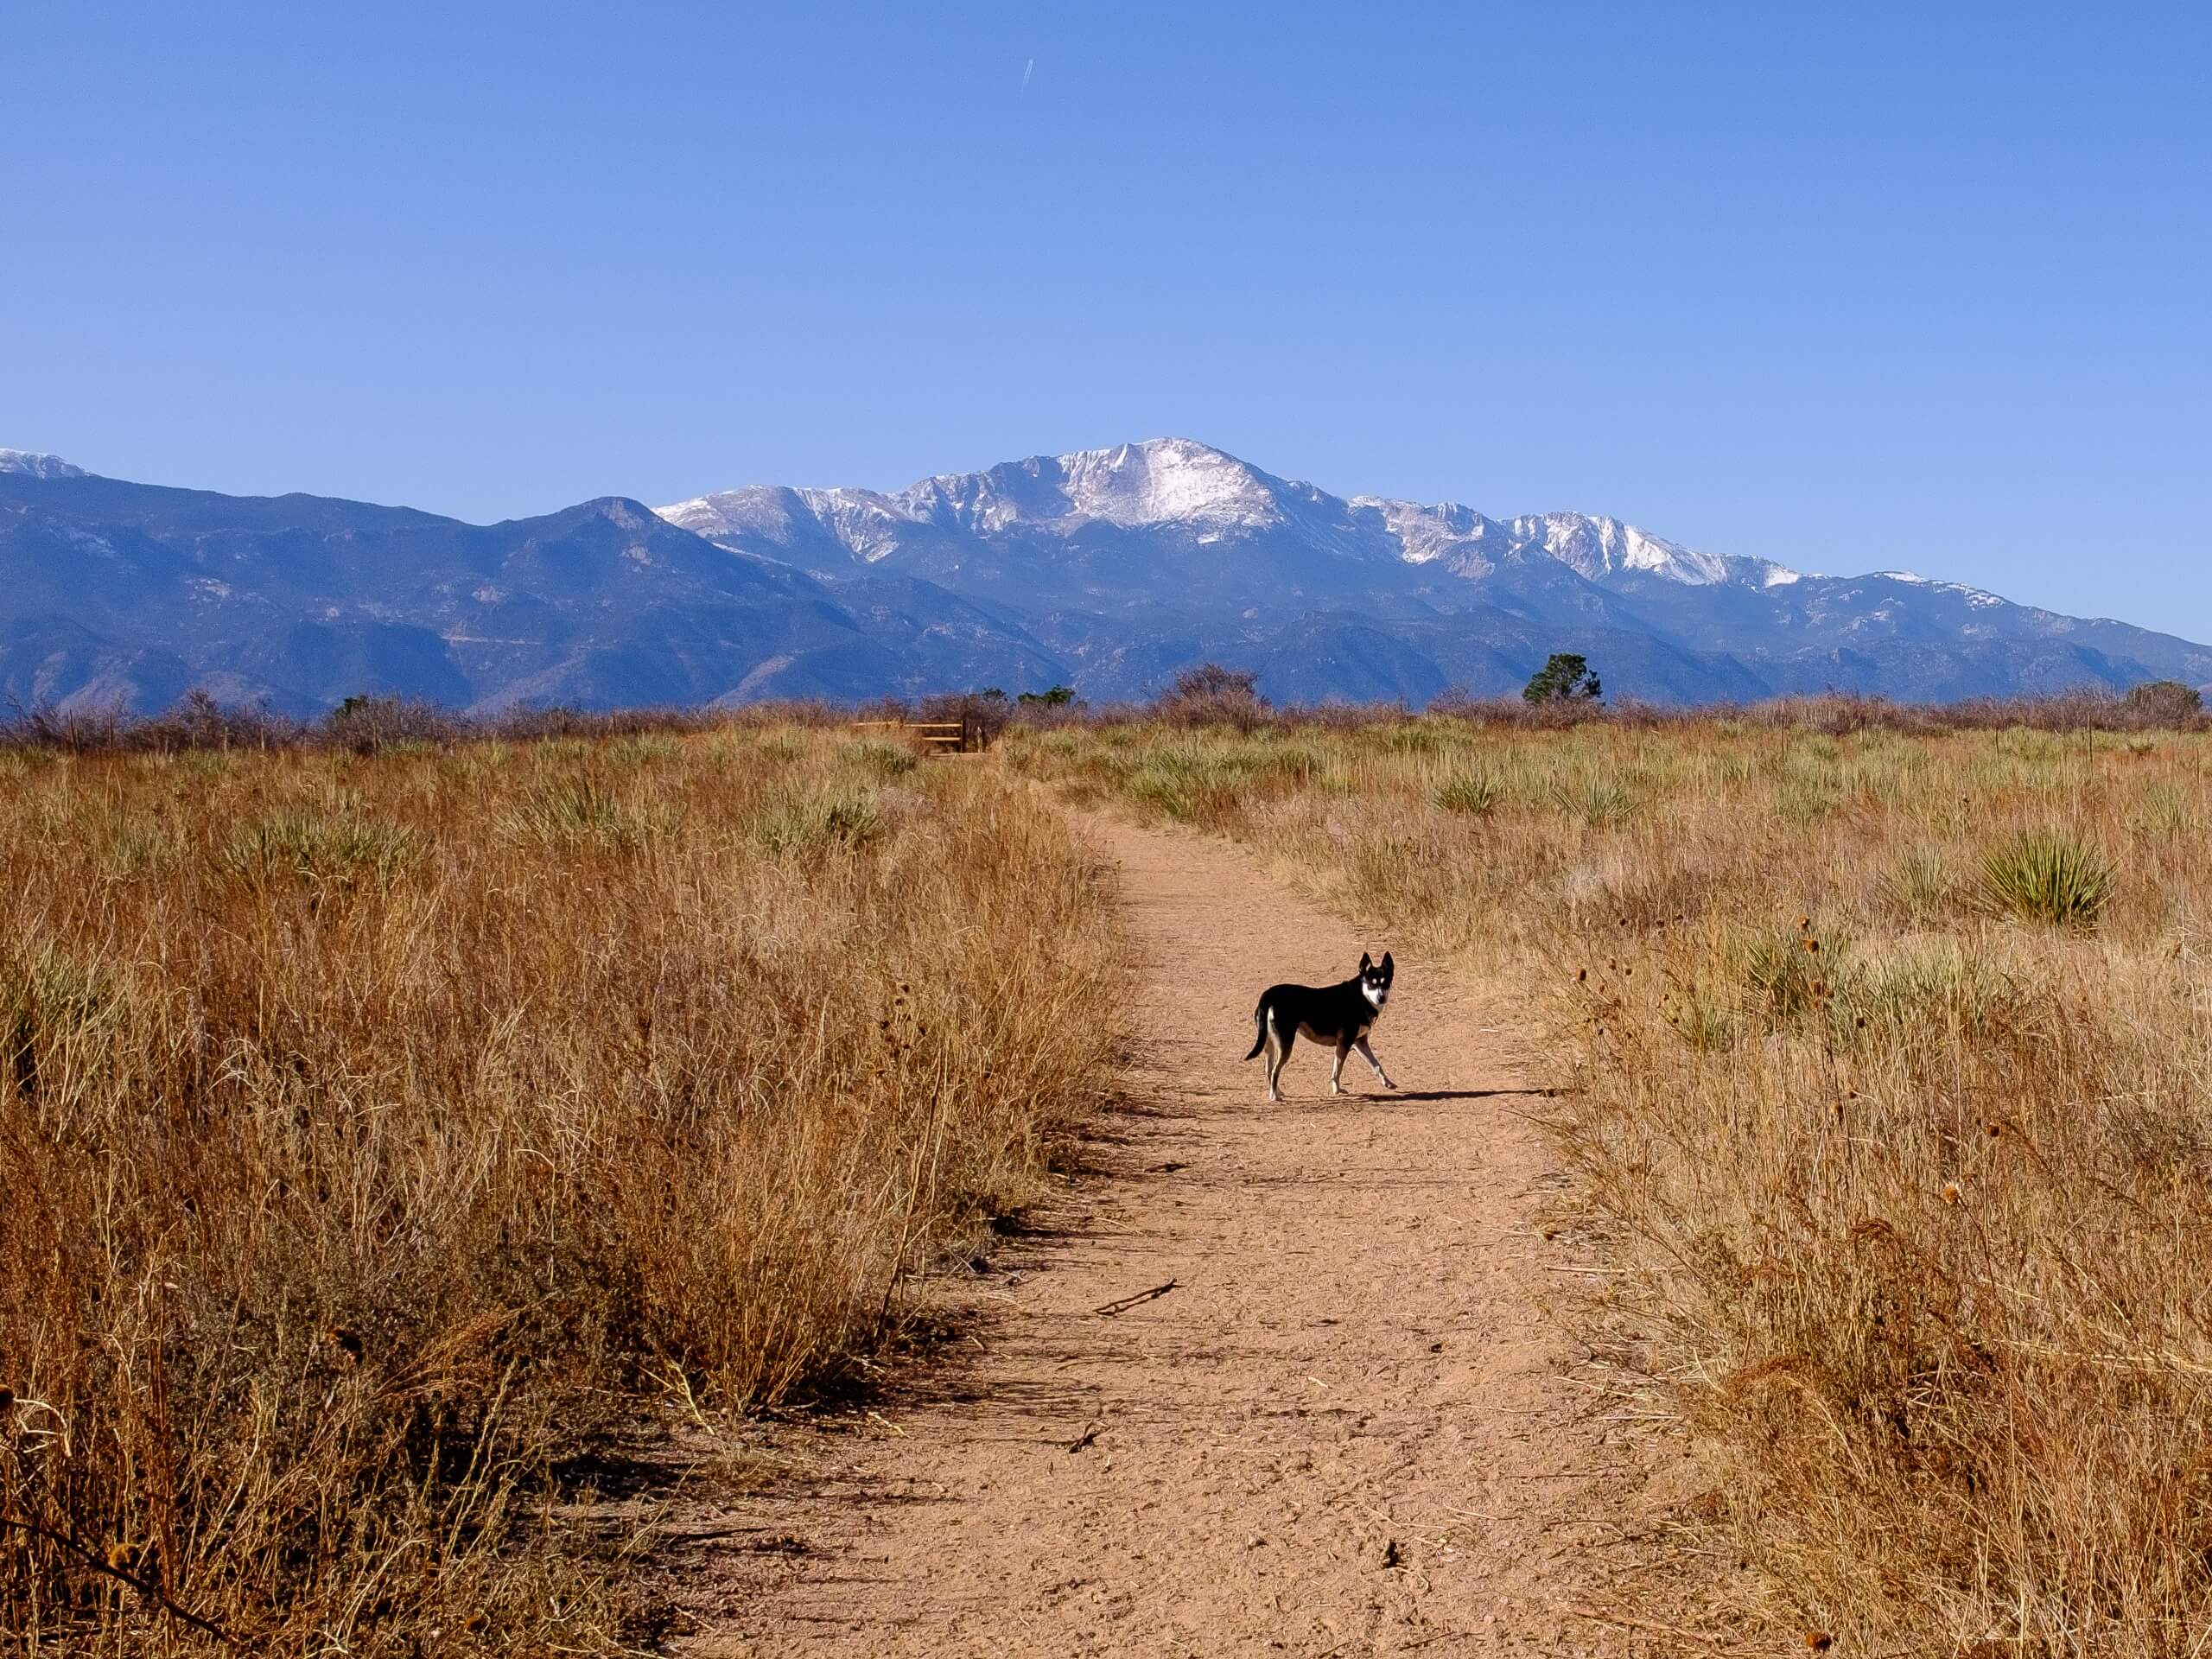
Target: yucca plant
x=1473 y=793
x=1598 y=804
x=2047 y=876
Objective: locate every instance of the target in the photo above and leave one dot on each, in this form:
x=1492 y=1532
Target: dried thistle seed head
x=1818 y=1641
x=1951 y=1191
x=1861 y=1022
x=348 y=1343
x=1581 y=975
x=1996 y=1129
x=1804 y=922
x=1813 y=945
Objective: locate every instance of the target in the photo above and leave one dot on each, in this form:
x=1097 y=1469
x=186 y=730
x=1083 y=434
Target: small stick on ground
x=1090 y=1431
x=1109 y=1309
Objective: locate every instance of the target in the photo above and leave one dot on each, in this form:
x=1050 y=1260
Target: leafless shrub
x=367 y=724
x=1210 y=694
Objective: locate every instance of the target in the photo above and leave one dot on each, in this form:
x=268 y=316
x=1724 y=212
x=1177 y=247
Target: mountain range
x=1106 y=570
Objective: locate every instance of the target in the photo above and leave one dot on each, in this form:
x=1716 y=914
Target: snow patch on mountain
x=861 y=521
x=30 y=463
x=1597 y=547
x=762 y=510
x=1980 y=598
x=1424 y=534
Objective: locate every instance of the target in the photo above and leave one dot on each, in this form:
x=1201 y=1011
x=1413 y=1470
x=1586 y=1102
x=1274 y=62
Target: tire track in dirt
x=1348 y=1430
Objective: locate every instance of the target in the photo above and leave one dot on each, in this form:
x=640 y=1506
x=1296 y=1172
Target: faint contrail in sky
x=1026 y=71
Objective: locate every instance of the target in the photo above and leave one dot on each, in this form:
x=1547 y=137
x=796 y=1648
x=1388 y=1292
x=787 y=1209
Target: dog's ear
x=1364 y=962
x=1388 y=970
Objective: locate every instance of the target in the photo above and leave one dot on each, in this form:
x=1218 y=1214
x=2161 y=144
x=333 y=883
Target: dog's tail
x=1259 y=1031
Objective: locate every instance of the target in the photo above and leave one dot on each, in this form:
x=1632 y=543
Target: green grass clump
x=796 y=823
x=1188 y=788
x=329 y=849
x=573 y=812
x=1473 y=794
x=1599 y=803
x=2047 y=876
x=879 y=757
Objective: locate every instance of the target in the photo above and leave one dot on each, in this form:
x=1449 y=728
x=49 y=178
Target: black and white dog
x=1342 y=1015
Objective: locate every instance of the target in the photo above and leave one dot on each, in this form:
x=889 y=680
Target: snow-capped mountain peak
x=1168 y=480
x=1159 y=481
x=29 y=463
x=1201 y=496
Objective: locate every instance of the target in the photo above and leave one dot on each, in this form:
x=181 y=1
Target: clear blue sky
x=1889 y=285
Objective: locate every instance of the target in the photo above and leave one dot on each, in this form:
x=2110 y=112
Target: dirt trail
x=1348 y=1429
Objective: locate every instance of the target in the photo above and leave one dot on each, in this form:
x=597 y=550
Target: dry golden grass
x=374 y=1129
x=1893 y=1068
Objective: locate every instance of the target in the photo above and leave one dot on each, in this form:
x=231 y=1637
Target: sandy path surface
x=1348 y=1429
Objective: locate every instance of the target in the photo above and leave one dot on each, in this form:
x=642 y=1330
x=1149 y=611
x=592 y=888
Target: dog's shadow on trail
x=1458 y=1094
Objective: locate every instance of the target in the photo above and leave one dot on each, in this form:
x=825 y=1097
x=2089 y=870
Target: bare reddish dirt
x=1350 y=1428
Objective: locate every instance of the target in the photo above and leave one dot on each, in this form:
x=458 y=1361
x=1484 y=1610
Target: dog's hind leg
x=1279 y=1042
x=1367 y=1054
x=1336 y=1069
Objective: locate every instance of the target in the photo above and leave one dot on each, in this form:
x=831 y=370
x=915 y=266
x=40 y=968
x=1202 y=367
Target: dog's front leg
x=1336 y=1069
x=1367 y=1054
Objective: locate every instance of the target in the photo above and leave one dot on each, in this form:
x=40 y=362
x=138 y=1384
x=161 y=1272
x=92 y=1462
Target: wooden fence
x=941 y=736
